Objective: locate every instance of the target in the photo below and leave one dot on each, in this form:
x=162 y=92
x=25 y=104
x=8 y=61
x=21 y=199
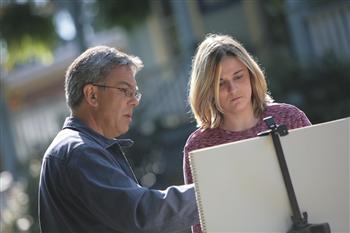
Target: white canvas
x=240 y=188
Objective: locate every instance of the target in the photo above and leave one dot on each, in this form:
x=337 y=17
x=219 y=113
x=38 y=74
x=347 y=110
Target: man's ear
x=90 y=95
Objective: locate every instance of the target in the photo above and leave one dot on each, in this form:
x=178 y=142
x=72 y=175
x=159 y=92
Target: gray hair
x=92 y=66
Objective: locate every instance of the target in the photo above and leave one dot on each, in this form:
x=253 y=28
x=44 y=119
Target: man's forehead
x=122 y=75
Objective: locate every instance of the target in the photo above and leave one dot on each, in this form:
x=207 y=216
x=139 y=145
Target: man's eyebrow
x=128 y=84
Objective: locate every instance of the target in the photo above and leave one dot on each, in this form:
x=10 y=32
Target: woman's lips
x=235 y=99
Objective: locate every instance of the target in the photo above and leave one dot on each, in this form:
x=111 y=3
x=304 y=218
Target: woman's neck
x=239 y=122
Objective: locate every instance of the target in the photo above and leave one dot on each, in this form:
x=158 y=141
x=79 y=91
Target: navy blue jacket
x=86 y=185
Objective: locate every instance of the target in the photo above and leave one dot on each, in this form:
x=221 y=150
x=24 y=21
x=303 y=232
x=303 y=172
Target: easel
x=300 y=222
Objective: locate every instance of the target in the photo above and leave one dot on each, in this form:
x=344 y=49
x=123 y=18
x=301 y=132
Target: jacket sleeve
x=114 y=198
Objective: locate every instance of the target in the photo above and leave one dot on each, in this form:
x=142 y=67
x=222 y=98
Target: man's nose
x=134 y=101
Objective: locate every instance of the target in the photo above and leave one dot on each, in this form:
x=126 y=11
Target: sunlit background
x=303 y=46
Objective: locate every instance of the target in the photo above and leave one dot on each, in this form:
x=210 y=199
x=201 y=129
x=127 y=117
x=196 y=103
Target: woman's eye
x=238 y=77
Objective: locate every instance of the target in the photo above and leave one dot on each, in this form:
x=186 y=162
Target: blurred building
x=166 y=42
x=35 y=94
x=319 y=28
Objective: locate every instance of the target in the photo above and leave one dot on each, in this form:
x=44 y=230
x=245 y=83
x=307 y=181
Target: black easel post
x=300 y=223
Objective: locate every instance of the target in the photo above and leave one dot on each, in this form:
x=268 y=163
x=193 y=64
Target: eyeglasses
x=126 y=91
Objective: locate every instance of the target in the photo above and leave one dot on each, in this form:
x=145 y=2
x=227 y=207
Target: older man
x=86 y=183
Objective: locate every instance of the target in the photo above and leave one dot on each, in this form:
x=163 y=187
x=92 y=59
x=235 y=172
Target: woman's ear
x=90 y=95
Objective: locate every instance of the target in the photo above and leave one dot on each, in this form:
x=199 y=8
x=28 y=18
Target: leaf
x=27 y=35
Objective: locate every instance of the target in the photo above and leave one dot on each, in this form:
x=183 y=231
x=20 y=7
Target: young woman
x=229 y=98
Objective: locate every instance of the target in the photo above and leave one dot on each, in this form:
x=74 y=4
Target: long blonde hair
x=204 y=82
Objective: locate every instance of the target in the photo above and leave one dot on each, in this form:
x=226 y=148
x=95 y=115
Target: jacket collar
x=78 y=125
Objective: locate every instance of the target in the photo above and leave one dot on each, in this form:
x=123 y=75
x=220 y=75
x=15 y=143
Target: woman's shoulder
x=202 y=138
x=273 y=107
x=287 y=114
x=199 y=134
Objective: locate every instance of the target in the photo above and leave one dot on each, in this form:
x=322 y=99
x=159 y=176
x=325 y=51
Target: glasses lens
x=138 y=95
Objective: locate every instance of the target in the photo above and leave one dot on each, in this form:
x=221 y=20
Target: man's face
x=115 y=108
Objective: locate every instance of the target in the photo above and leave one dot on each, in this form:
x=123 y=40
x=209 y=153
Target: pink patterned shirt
x=286 y=114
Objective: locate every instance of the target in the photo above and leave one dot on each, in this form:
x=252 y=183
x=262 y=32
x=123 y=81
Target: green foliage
x=125 y=13
x=33 y=170
x=316 y=3
x=321 y=90
x=164 y=145
x=19 y=211
x=276 y=21
x=27 y=35
x=326 y=90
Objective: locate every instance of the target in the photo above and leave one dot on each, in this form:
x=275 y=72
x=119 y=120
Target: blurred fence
x=330 y=30
x=164 y=93
x=319 y=28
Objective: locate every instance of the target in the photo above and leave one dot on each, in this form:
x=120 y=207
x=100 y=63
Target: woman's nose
x=232 y=86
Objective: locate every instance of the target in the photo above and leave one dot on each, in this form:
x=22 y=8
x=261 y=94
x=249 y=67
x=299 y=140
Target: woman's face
x=235 y=90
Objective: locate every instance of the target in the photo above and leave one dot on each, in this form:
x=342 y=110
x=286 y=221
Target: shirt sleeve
x=299 y=119
x=187 y=173
x=303 y=120
x=119 y=202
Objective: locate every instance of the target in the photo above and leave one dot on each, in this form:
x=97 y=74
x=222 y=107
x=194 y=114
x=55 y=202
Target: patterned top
x=286 y=114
